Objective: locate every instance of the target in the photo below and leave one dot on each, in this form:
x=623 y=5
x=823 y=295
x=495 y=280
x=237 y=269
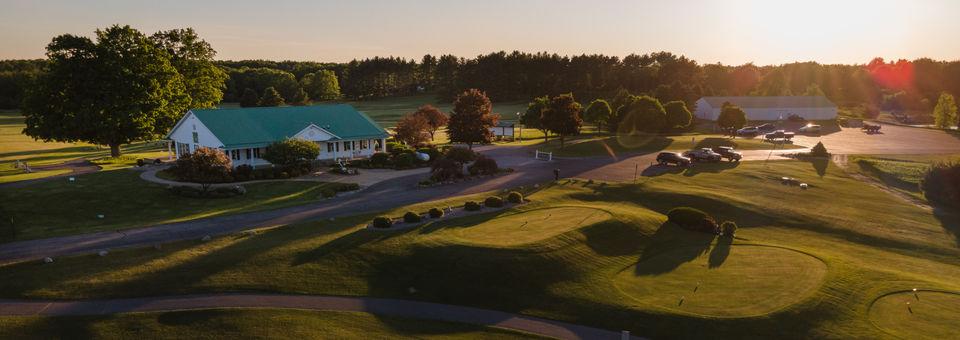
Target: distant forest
x=900 y=85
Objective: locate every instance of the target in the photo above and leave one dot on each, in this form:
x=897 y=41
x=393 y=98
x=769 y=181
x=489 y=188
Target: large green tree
x=193 y=59
x=471 y=118
x=321 y=85
x=678 y=116
x=598 y=112
x=271 y=97
x=641 y=114
x=562 y=116
x=250 y=98
x=731 y=117
x=532 y=118
x=945 y=113
x=115 y=90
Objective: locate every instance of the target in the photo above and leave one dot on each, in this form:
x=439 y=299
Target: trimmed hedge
x=515 y=197
x=382 y=222
x=692 y=219
x=471 y=206
x=436 y=213
x=728 y=228
x=493 y=202
x=411 y=217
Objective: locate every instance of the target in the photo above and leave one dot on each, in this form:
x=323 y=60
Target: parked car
x=729 y=153
x=795 y=118
x=702 y=155
x=766 y=128
x=665 y=158
x=779 y=134
x=810 y=128
x=748 y=131
x=870 y=128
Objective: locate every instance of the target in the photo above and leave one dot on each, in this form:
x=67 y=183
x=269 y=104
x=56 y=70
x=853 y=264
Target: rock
x=47 y=260
x=102 y=253
x=803 y=186
x=206 y=238
x=100 y=216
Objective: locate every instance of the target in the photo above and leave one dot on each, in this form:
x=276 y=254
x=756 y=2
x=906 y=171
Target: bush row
x=697 y=220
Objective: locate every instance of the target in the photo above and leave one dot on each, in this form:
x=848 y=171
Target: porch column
x=169 y=152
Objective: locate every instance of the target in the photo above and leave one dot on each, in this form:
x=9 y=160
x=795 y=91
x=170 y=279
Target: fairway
x=931 y=315
x=602 y=146
x=725 y=281
x=528 y=227
x=243 y=324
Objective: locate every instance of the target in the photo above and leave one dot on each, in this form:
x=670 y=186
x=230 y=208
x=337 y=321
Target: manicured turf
x=926 y=315
x=870 y=243
x=900 y=172
x=727 y=280
x=603 y=146
x=514 y=229
x=61 y=207
x=243 y=324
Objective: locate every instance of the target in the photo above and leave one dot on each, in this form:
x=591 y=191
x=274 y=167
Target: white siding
x=183 y=133
x=707 y=112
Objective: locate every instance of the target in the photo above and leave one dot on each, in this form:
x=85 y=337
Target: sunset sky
x=731 y=32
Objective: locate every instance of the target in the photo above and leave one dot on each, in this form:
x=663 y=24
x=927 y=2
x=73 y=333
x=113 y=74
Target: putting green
x=931 y=315
x=528 y=227
x=734 y=280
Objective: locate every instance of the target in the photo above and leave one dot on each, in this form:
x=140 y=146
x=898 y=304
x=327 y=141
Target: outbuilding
x=243 y=134
x=761 y=108
x=503 y=129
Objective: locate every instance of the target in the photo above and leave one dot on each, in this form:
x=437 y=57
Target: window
x=346 y=146
x=249 y=154
x=235 y=155
x=196 y=137
x=256 y=153
x=353 y=145
x=363 y=144
x=329 y=147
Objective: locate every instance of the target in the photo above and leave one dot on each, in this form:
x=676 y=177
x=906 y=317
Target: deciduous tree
x=193 y=59
x=300 y=99
x=731 y=117
x=249 y=98
x=115 y=90
x=532 y=118
x=435 y=118
x=598 y=112
x=641 y=114
x=291 y=151
x=678 y=116
x=205 y=166
x=413 y=129
x=472 y=118
x=945 y=113
x=562 y=116
x=271 y=97
x=321 y=85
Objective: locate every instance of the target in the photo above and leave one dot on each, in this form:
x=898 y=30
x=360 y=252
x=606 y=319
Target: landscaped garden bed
x=412 y=219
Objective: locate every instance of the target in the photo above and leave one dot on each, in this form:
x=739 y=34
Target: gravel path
x=377 y=306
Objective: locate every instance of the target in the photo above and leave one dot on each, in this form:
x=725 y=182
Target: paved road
x=401 y=191
x=377 y=306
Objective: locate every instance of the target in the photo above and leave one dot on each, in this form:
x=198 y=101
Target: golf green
x=723 y=280
x=528 y=227
x=924 y=315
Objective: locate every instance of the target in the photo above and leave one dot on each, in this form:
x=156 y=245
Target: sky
x=708 y=31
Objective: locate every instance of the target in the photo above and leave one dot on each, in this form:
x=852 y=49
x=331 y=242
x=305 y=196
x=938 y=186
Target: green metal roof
x=259 y=126
x=772 y=101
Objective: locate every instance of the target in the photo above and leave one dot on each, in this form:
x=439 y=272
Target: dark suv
x=665 y=158
x=767 y=128
x=728 y=153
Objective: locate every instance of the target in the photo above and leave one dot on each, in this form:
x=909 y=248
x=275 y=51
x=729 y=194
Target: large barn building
x=770 y=108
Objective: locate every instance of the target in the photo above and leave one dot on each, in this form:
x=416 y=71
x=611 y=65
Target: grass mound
x=931 y=315
x=527 y=227
x=726 y=281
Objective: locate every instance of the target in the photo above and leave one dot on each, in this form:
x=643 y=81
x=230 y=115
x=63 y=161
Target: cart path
x=376 y=306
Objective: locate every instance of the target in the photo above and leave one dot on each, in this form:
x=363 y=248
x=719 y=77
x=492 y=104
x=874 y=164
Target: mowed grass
x=243 y=324
x=901 y=172
x=604 y=146
x=847 y=242
x=60 y=207
x=693 y=280
x=513 y=229
x=920 y=315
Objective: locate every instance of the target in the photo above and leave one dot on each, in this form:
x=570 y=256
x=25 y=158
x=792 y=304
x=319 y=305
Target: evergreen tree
x=271 y=97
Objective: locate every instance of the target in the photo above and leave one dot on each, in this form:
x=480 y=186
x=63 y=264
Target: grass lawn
x=243 y=324
x=127 y=201
x=601 y=146
x=901 y=172
x=924 y=315
x=805 y=263
x=14 y=145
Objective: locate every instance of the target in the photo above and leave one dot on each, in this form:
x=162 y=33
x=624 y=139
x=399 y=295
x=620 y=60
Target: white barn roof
x=772 y=102
x=770 y=108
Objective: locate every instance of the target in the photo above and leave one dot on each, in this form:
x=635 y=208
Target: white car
x=810 y=128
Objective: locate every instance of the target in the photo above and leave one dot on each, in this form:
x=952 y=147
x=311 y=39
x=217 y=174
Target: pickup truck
x=729 y=153
x=704 y=154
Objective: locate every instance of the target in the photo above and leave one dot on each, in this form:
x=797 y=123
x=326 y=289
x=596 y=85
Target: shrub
x=140 y=162
x=204 y=166
x=445 y=170
x=344 y=187
x=471 y=206
x=382 y=222
x=692 y=219
x=515 y=197
x=483 y=166
x=819 y=150
x=460 y=155
x=411 y=217
x=728 y=228
x=395 y=148
x=941 y=184
x=403 y=160
x=243 y=172
x=436 y=213
x=380 y=160
x=291 y=151
x=425 y=182
x=328 y=193
x=493 y=202
x=433 y=152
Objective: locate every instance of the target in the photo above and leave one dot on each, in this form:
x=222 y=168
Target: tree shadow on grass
x=346 y=242
x=614 y=238
x=709 y=168
x=660 y=170
x=669 y=247
x=820 y=164
x=949 y=219
x=720 y=252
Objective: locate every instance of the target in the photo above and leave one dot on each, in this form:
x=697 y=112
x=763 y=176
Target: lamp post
x=519 y=120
